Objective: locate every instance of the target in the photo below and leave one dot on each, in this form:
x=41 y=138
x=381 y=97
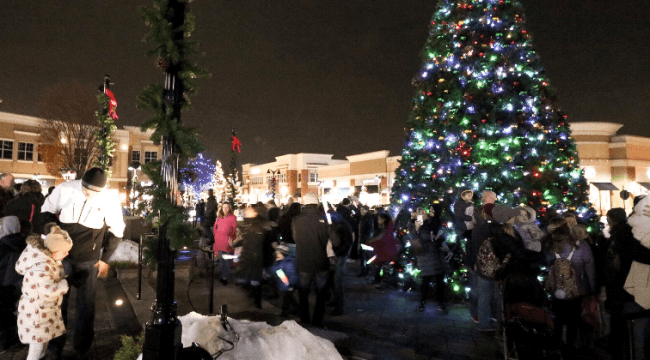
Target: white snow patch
x=127 y=250
x=257 y=340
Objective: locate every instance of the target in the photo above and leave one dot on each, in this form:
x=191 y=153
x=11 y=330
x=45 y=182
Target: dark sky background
x=314 y=76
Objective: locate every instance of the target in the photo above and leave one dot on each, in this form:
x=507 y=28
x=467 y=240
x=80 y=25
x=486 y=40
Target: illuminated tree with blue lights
x=198 y=176
x=485 y=117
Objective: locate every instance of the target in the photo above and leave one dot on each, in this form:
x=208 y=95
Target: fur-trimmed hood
x=34 y=254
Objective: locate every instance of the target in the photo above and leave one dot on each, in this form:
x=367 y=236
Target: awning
x=645 y=185
x=604 y=185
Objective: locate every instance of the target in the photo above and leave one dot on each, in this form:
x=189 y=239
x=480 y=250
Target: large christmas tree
x=485 y=117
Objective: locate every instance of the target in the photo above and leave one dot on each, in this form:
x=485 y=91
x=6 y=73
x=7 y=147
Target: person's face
x=60 y=254
x=380 y=220
x=250 y=212
x=8 y=182
x=363 y=211
x=468 y=197
x=523 y=216
x=89 y=194
x=226 y=208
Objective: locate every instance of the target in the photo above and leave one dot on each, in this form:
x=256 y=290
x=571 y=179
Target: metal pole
x=211 y=303
x=138 y=295
x=163 y=333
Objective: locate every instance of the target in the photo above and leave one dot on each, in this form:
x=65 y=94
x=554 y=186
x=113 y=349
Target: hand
x=102 y=267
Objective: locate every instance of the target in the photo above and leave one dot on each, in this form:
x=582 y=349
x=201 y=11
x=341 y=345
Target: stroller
x=527 y=324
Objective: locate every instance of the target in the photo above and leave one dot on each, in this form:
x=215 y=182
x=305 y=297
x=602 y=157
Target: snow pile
x=257 y=340
x=638 y=281
x=127 y=251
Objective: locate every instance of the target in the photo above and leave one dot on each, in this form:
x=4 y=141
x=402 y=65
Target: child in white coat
x=39 y=308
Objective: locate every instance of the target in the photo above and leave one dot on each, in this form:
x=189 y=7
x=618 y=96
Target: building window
x=281 y=178
x=150 y=156
x=25 y=151
x=313 y=176
x=135 y=156
x=6 y=149
x=299 y=178
x=258 y=180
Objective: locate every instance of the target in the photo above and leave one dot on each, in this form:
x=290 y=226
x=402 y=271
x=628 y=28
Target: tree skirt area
x=257 y=340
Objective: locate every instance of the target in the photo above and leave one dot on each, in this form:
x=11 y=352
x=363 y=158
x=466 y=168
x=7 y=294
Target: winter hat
x=310 y=199
x=58 y=239
x=503 y=213
x=10 y=225
x=530 y=213
x=555 y=224
x=465 y=192
x=94 y=179
x=579 y=232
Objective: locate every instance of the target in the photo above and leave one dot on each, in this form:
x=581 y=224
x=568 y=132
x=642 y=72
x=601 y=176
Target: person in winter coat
x=27 y=205
x=463 y=213
x=624 y=249
x=568 y=311
x=12 y=244
x=209 y=216
x=433 y=259
x=311 y=235
x=366 y=231
x=254 y=236
x=284 y=223
x=225 y=232
x=44 y=284
x=385 y=245
x=340 y=233
x=95 y=223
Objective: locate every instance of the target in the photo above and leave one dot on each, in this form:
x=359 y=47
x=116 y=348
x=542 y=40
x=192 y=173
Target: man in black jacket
x=86 y=211
x=309 y=230
x=366 y=231
x=341 y=234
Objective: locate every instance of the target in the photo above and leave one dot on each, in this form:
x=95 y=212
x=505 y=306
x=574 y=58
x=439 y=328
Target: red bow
x=112 y=104
x=236 y=144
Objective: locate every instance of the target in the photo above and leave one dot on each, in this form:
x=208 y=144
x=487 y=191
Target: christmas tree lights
x=485 y=117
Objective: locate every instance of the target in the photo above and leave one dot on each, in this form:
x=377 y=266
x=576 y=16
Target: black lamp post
x=163 y=333
x=274 y=183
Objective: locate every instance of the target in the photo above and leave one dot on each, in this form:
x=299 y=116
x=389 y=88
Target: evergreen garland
x=105 y=144
x=175 y=50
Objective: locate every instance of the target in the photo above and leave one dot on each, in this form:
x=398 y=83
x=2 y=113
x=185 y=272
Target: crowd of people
x=305 y=247
x=584 y=274
x=51 y=243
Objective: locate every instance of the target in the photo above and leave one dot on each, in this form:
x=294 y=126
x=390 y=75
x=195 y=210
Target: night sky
x=328 y=77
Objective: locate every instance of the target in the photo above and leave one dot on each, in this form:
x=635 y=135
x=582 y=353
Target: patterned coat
x=39 y=308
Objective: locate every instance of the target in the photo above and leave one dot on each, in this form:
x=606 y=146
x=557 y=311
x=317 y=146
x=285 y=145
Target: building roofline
x=594 y=128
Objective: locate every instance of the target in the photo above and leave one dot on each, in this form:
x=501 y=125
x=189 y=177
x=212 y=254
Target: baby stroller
x=527 y=324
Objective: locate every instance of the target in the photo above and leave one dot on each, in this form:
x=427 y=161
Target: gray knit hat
x=502 y=213
x=57 y=239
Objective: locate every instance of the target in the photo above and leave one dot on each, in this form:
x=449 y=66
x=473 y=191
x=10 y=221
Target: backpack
x=488 y=262
x=562 y=281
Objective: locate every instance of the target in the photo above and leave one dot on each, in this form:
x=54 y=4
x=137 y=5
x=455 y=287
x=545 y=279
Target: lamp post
x=273 y=181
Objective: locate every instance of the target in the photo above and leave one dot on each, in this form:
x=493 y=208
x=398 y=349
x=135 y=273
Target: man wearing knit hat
x=310 y=232
x=86 y=211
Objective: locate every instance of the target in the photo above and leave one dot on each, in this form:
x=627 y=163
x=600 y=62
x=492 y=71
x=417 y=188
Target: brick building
x=21 y=155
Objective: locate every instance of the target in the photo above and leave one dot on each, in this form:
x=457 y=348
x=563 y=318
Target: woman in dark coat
x=432 y=261
x=254 y=237
x=27 y=205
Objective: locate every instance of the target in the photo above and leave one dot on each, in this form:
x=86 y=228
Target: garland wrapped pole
x=105 y=116
x=170 y=26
